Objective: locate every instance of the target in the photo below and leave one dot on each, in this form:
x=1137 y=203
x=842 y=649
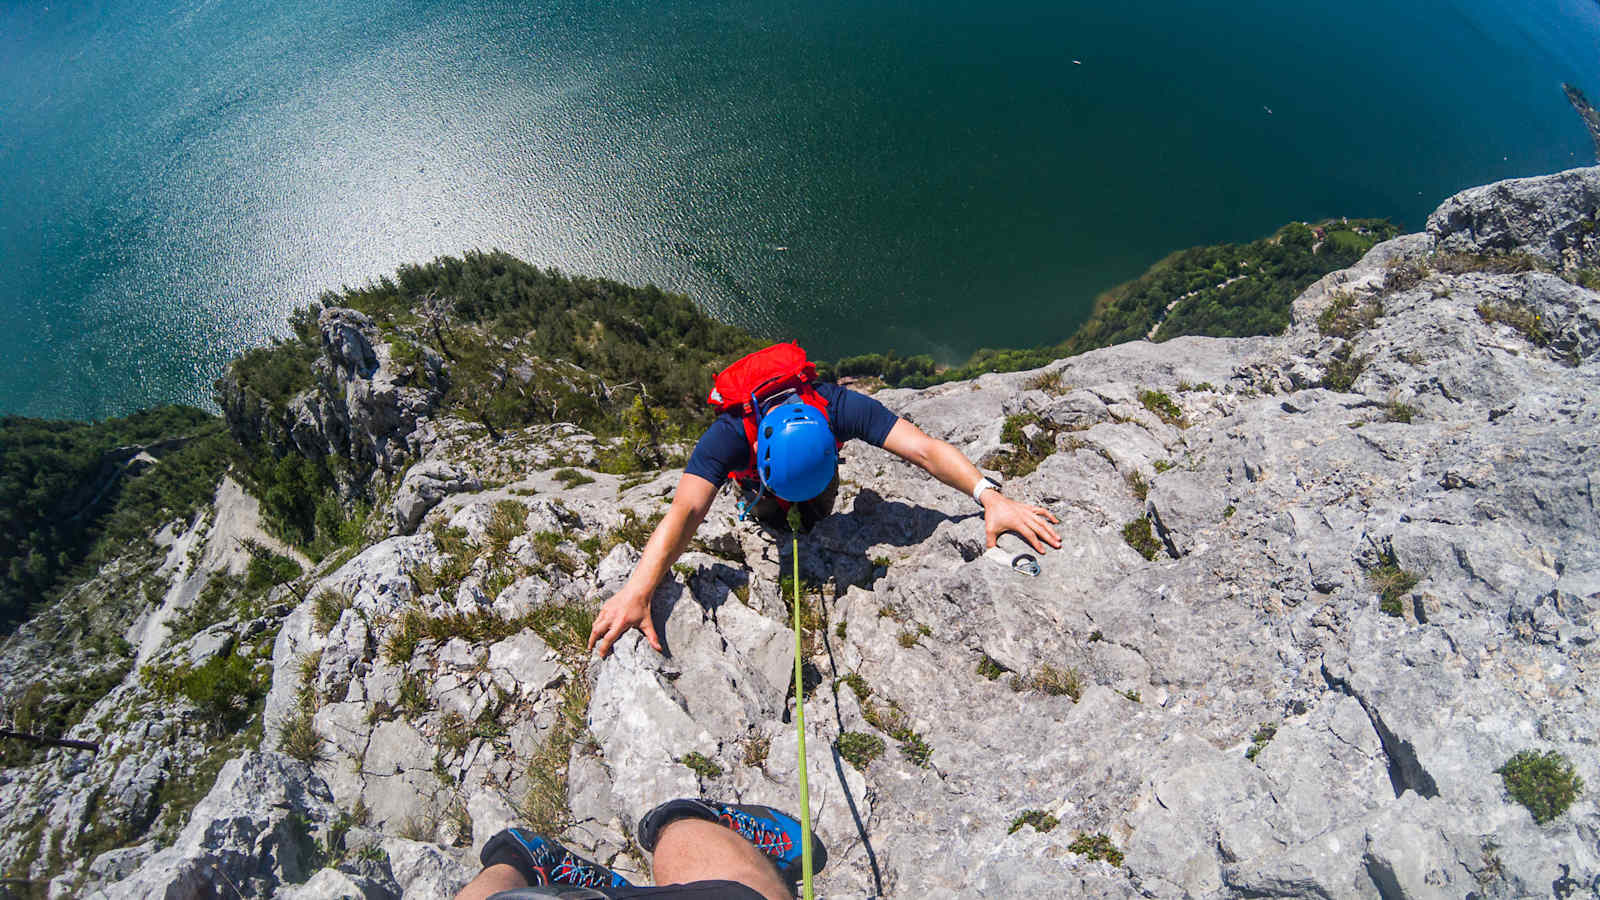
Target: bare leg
x=697 y=850
x=491 y=881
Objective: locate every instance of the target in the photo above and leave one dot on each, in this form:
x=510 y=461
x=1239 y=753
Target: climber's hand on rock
x=627 y=609
x=1032 y=523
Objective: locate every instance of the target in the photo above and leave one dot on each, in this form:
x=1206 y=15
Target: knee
x=696 y=850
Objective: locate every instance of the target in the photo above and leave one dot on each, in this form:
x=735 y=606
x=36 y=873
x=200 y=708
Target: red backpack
x=743 y=387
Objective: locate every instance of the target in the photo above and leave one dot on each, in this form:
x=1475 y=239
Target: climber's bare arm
x=629 y=607
x=951 y=466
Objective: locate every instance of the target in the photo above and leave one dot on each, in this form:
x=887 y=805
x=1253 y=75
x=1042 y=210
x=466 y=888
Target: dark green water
x=943 y=176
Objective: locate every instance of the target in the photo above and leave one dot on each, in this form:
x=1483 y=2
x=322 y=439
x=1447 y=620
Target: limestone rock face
x=365 y=408
x=257 y=827
x=424 y=485
x=367 y=405
x=1372 y=576
x=1551 y=217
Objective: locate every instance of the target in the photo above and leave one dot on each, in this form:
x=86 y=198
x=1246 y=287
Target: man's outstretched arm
x=951 y=466
x=630 y=607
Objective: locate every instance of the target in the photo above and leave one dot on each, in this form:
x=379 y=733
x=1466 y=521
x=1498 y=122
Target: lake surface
x=932 y=177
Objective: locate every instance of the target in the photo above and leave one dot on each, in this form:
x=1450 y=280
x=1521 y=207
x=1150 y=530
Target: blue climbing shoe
x=774 y=833
x=545 y=862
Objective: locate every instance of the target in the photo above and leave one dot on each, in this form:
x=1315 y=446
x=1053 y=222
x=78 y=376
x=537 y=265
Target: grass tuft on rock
x=1037 y=819
x=565 y=627
x=860 y=749
x=701 y=765
x=1347 y=315
x=1395 y=411
x=544 y=808
x=1513 y=263
x=1052 y=680
x=1052 y=382
x=1097 y=847
x=301 y=740
x=1138 y=535
x=327 y=607
x=1260 y=739
x=1521 y=319
x=1392 y=583
x=1544 y=783
x=1160 y=403
x=1343 y=368
x=571 y=478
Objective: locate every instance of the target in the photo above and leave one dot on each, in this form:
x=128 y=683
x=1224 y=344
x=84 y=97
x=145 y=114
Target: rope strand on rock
x=800 y=718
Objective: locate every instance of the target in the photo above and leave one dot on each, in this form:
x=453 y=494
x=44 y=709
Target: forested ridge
x=67 y=500
x=1227 y=290
x=520 y=345
x=506 y=311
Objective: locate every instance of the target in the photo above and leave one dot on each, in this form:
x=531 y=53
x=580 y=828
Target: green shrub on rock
x=1160 y=403
x=571 y=478
x=224 y=689
x=701 y=765
x=1260 y=739
x=1137 y=534
x=1545 y=783
x=989 y=668
x=1026 y=453
x=859 y=749
x=1343 y=368
x=1096 y=846
x=1037 y=819
x=1345 y=316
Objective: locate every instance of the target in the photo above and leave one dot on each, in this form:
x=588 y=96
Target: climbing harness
x=805 y=788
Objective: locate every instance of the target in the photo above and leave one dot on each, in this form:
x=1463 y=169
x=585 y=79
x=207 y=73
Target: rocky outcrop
x=1552 y=218
x=367 y=402
x=257 y=828
x=423 y=486
x=1370 y=578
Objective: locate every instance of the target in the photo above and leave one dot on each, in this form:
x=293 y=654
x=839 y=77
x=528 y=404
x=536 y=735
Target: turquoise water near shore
x=174 y=178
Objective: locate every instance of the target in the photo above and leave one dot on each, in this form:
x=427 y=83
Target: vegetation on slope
x=521 y=346
x=1224 y=290
x=641 y=342
x=67 y=502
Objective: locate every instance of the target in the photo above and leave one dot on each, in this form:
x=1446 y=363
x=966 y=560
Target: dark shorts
x=698 y=890
x=770 y=513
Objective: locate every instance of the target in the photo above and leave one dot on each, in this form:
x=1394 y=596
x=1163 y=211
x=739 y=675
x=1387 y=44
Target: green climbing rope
x=800 y=719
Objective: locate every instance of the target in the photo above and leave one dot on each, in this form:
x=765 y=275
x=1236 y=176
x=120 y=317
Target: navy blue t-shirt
x=723 y=448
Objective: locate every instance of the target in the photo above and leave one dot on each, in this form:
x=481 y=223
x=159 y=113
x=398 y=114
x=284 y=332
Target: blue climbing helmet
x=796 y=455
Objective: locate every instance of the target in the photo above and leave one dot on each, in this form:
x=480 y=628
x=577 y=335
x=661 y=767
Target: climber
x=773 y=410
x=701 y=850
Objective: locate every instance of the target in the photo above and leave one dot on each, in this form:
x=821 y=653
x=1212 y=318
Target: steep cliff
x=1315 y=590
